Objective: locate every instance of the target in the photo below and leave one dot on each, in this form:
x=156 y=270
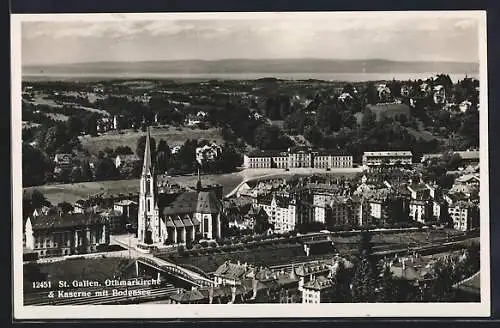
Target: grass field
x=173 y=136
x=71 y=192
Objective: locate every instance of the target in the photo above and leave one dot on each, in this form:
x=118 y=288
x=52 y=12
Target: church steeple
x=198 y=183
x=147 y=167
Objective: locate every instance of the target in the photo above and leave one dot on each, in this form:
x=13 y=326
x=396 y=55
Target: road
x=255 y=174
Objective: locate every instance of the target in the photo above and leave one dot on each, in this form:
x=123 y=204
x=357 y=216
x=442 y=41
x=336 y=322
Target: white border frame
x=173 y=311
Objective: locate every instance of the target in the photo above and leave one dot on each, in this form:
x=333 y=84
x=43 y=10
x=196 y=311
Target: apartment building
x=376 y=158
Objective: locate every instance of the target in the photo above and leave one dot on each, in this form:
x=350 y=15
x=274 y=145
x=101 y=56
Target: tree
x=76 y=174
x=341 y=284
x=366 y=272
x=106 y=170
x=363 y=283
x=163 y=146
x=32 y=200
x=365 y=249
x=65 y=207
x=395 y=87
x=295 y=122
x=368 y=121
x=261 y=224
x=348 y=88
x=271 y=137
x=123 y=150
x=35 y=166
x=74 y=125
x=387 y=287
x=371 y=94
x=441 y=288
x=229 y=159
x=87 y=174
x=90 y=124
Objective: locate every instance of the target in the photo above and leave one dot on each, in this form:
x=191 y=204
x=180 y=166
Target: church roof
x=207 y=203
x=183 y=203
x=178 y=222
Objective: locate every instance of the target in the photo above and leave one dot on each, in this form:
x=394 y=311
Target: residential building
x=63 y=160
x=334 y=210
x=469 y=157
x=127 y=208
x=208 y=152
x=282 y=212
x=422 y=210
x=231 y=274
x=318 y=290
x=464 y=106
x=439 y=95
x=376 y=158
x=66 y=234
x=465 y=215
x=122 y=160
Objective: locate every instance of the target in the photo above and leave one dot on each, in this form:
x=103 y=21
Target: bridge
x=185 y=275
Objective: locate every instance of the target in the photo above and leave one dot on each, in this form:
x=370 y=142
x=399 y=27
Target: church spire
x=147 y=167
x=198 y=183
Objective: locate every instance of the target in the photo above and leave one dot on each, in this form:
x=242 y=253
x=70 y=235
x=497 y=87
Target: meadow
x=172 y=135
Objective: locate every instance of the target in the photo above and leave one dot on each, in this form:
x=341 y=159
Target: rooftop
x=58 y=221
x=319 y=283
x=387 y=153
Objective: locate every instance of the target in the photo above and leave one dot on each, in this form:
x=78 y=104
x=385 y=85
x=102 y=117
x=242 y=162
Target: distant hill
x=229 y=66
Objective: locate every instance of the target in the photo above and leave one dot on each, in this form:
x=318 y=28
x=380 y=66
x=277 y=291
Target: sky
x=401 y=37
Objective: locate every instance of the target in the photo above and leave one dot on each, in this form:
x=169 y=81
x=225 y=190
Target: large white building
x=375 y=158
x=298 y=157
x=282 y=212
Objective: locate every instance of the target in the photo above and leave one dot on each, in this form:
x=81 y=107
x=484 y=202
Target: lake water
x=344 y=77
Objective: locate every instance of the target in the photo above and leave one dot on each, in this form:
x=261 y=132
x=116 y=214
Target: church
x=171 y=215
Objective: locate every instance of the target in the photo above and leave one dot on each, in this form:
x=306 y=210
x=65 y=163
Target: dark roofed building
x=66 y=234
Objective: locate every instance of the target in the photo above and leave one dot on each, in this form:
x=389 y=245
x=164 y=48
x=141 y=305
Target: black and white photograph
x=285 y=164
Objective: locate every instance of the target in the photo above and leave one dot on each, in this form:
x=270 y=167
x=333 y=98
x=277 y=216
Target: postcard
x=250 y=165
